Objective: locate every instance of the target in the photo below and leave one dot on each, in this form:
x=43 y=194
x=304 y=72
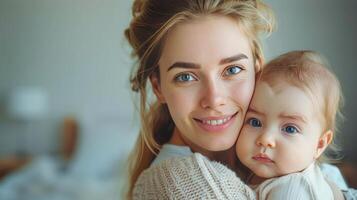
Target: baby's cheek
x=294 y=161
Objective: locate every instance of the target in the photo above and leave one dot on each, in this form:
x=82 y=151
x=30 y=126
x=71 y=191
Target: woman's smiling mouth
x=215 y=124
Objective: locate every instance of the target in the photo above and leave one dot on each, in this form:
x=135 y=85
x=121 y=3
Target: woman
x=201 y=58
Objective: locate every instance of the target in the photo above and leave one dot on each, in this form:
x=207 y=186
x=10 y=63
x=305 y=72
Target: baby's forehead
x=280 y=85
x=277 y=86
x=282 y=95
x=284 y=99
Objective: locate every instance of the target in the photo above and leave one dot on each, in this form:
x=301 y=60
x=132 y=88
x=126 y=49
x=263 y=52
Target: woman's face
x=206 y=79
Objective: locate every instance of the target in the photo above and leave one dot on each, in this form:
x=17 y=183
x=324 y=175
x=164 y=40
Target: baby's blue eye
x=255 y=122
x=290 y=130
x=232 y=70
x=184 y=78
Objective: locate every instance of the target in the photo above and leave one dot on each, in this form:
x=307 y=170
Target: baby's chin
x=269 y=173
x=264 y=173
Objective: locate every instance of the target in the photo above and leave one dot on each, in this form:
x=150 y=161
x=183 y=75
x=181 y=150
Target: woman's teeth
x=216 y=122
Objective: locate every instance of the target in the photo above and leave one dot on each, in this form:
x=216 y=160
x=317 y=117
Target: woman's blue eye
x=290 y=130
x=232 y=70
x=184 y=78
x=255 y=122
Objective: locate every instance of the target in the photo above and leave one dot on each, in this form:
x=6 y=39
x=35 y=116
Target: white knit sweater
x=193 y=177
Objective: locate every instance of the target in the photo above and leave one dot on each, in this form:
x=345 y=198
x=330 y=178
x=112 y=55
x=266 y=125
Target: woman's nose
x=213 y=95
x=266 y=140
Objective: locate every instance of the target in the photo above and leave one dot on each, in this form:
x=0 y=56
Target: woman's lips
x=216 y=124
x=261 y=157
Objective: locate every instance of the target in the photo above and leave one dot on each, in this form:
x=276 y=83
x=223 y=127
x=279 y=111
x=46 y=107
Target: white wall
x=75 y=49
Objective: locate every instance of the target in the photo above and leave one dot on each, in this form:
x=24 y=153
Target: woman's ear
x=258 y=65
x=324 y=141
x=156 y=87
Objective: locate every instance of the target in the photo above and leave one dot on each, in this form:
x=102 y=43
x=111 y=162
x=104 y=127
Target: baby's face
x=281 y=131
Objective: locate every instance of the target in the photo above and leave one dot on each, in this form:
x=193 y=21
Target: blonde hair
x=152 y=20
x=309 y=71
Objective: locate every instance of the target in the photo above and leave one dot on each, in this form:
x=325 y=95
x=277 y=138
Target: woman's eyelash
x=187 y=76
x=184 y=77
x=232 y=70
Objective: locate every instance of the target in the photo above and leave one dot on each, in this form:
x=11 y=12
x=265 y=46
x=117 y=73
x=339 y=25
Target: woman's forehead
x=209 y=39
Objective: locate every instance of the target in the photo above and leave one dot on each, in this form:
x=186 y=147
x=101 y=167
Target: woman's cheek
x=243 y=93
x=181 y=102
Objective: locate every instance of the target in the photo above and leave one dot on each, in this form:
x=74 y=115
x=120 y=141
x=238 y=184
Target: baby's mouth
x=262 y=157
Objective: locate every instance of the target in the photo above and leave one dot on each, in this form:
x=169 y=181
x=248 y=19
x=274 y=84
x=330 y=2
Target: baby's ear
x=324 y=140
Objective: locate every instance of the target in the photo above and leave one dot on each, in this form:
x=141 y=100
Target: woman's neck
x=176 y=139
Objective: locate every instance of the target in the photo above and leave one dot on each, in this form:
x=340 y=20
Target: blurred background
x=67 y=118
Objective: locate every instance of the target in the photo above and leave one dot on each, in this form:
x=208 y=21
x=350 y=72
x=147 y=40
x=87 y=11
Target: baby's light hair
x=309 y=71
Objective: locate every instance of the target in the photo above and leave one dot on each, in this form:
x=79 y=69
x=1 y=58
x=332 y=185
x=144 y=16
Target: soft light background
x=75 y=50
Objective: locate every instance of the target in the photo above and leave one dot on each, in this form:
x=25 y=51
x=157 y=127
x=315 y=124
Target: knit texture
x=191 y=177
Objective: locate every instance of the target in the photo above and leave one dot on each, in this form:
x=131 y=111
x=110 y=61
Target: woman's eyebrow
x=233 y=58
x=186 y=65
x=189 y=65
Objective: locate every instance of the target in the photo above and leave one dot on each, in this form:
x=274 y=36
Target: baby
x=291 y=121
